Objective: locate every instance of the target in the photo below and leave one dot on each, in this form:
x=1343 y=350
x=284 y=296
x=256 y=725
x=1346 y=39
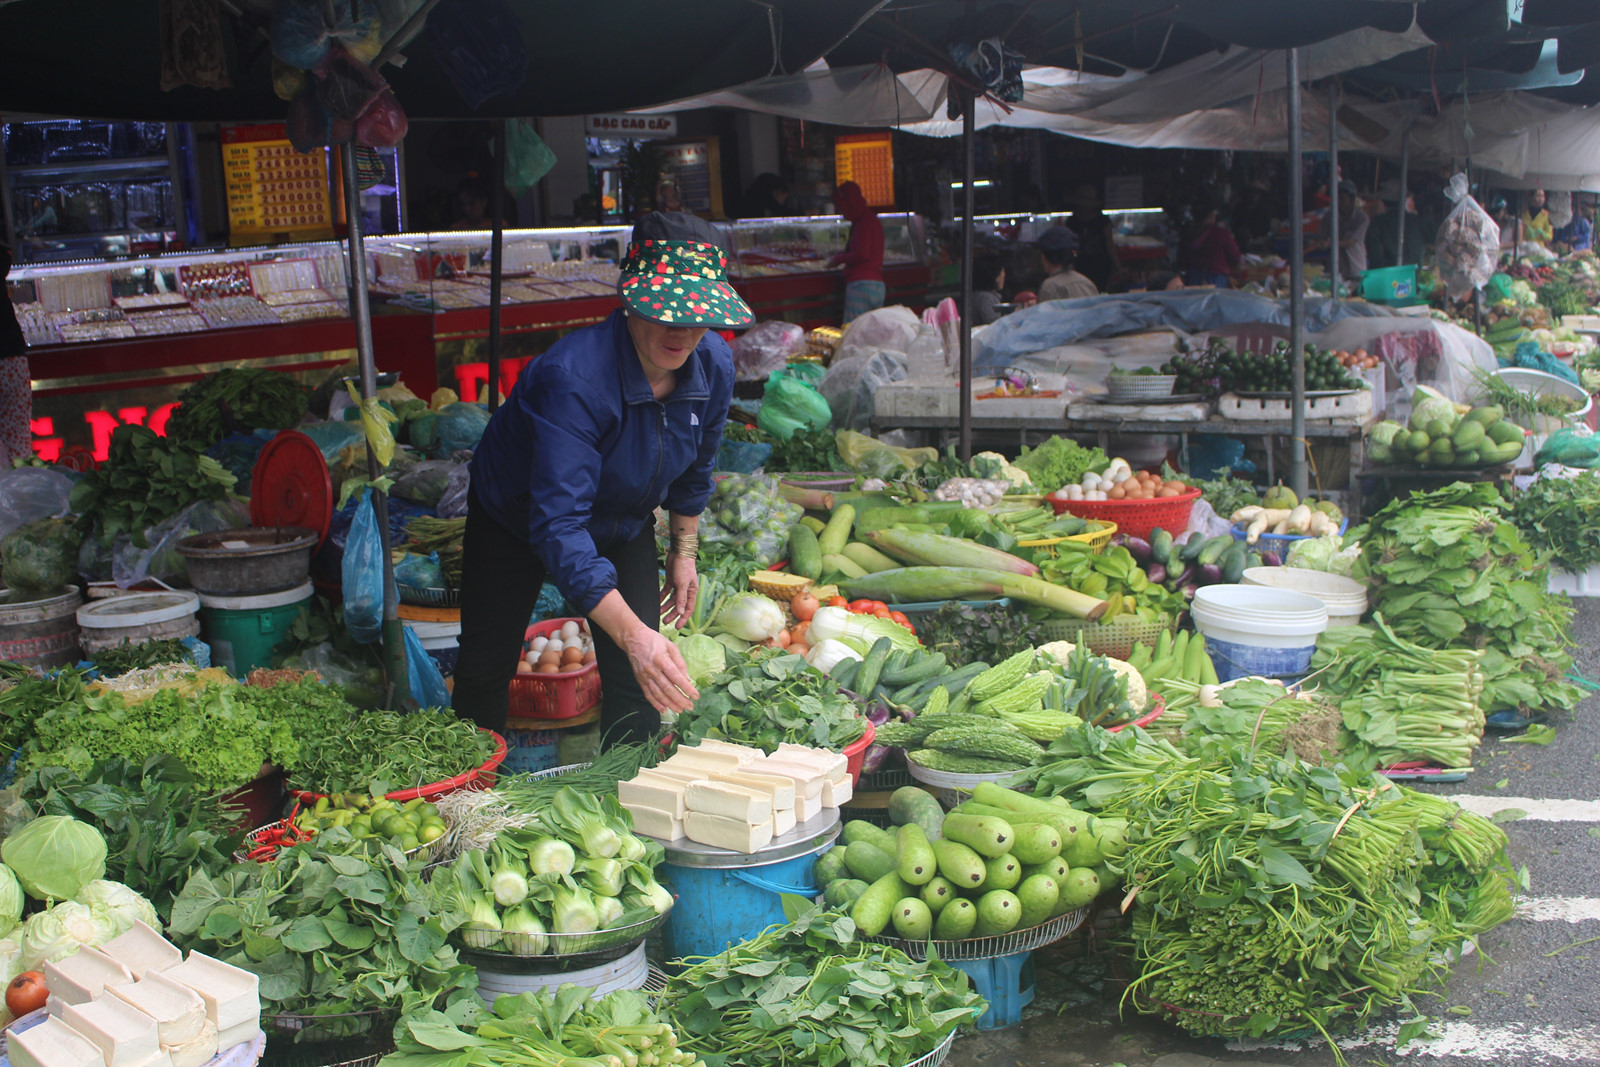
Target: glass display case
x=765 y=248
x=1141 y=235
x=450 y=271
x=76 y=188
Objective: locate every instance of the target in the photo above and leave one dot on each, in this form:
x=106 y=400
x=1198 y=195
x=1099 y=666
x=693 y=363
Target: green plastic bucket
x=244 y=631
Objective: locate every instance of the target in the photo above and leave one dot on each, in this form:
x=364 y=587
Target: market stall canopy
x=583 y=59
x=870 y=95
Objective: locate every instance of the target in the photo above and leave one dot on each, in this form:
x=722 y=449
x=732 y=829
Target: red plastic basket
x=480 y=777
x=856 y=751
x=1135 y=518
x=555 y=696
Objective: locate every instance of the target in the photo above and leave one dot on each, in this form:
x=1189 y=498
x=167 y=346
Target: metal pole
x=394 y=648
x=1297 y=285
x=1405 y=175
x=497 y=197
x=1333 y=187
x=968 y=126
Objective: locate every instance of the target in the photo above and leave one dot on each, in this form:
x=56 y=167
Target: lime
x=430 y=832
x=407 y=842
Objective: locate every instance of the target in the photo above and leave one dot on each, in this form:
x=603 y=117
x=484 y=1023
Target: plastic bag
x=131 y=565
x=746 y=510
x=332 y=437
x=528 y=158
x=891 y=327
x=871 y=458
x=425 y=483
x=427 y=684
x=460 y=427
x=479 y=44
x=362 y=574
x=1530 y=356
x=39 y=558
x=420 y=572
x=362 y=683
x=925 y=356
x=28 y=494
x=742 y=457
x=789 y=405
x=810 y=372
x=301 y=35
x=851 y=383
x=1468 y=246
x=764 y=348
x=453 y=502
x=1570 y=448
x=383 y=124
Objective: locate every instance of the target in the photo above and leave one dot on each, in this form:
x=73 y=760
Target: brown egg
x=588 y=657
x=551 y=657
x=549 y=668
x=524 y=667
x=571 y=657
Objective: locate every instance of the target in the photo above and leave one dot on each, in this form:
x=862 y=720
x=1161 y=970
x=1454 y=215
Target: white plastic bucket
x=629 y=972
x=1345 y=598
x=138 y=618
x=1253 y=630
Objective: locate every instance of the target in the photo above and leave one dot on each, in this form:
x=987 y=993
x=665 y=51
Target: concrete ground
x=1529 y=998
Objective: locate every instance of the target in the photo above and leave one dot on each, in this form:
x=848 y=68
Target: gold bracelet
x=686 y=546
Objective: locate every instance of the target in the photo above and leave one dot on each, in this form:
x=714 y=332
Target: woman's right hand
x=662 y=674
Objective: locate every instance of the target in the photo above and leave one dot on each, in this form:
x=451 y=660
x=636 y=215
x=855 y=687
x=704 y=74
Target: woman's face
x=663 y=348
x=1000 y=279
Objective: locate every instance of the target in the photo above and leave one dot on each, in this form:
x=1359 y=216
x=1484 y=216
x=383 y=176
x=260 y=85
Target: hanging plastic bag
x=28 y=494
x=789 y=405
x=375 y=422
x=427 y=684
x=383 y=124
x=459 y=428
x=851 y=384
x=420 y=572
x=302 y=36
x=528 y=158
x=479 y=44
x=873 y=459
x=362 y=574
x=765 y=348
x=1468 y=246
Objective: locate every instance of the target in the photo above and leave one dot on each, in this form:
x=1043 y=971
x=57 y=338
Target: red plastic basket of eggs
x=556 y=677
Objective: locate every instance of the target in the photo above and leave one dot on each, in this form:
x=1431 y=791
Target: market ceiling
x=105 y=61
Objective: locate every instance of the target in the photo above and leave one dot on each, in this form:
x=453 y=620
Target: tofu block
x=837 y=794
x=807 y=808
x=125 y=1035
x=196 y=1051
x=142 y=950
x=728 y=800
x=831 y=764
x=779 y=788
x=782 y=821
x=238 y=1035
x=653 y=791
x=653 y=822
x=179 y=1012
x=731 y=834
x=80 y=977
x=232 y=995
x=677 y=774
x=52 y=1043
x=746 y=753
x=705 y=759
x=808 y=780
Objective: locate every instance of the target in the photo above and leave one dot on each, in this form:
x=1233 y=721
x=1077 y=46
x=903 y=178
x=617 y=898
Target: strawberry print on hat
x=683 y=283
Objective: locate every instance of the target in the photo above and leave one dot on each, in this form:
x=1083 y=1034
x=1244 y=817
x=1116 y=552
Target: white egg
x=555 y=645
x=539 y=643
x=569 y=630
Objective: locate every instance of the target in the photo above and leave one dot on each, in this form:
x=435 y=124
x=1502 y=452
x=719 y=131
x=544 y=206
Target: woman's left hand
x=679 y=591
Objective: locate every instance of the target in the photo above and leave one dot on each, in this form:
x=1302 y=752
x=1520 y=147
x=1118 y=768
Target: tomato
x=876 y=604
x=26 y=993
x=880 y=612
x=861 y=607
x=900 y=617
x=838 y=602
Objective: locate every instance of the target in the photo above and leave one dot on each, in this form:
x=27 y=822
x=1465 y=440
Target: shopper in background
x=616 y=420
x=1353 y=224
x=988 y=279
x=1058 y=249
x=765 y=198
x=1216 y=253
x=1536 y=225
x=1383 y=236
x=1097 y=250
x=16 y=387
x=1578 y=234
x=472 y=205
x=862 y=257
x=1163 y=281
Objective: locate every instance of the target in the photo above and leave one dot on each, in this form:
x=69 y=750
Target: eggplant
x=1187 y=575
x=878 y=712
x=1210 y=574
x=873 y=758
x=1138 y=547
x=1189 y=589
x=1271 y=559
x=1157 y=573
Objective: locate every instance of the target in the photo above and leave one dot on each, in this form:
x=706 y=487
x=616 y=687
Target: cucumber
x=834 y=536
x=861 y=830
x=913 y=919
x=1233 y=561
x=844 y=672
x=1191 y=548
x=1036 y=842
x=959 y=865
x=805 y=557
x=917 y=863
x=867 y=861
x=868 y=558
x=815 y=525
x=1212 y=550
x=956 y=922
x=872 y=665
x=846 y=566
x=843 y=892
x=908 y=805
x=1160 y=546
x=872 y=909
x=938 y=893
x=830 y=866
x=1002 y=872
x=986 y=835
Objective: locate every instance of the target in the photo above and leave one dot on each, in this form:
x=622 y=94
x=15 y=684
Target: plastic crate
x=554 y=696
x=1279 y=543
x=1135 y=518
x=1115 y=639
x=1097 y=539
x=1348 y=406
x=1390 y=285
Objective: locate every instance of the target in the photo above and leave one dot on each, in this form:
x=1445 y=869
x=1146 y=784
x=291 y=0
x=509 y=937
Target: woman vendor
x=612 y=422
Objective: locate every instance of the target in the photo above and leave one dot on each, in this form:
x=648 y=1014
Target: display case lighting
x=980 y=183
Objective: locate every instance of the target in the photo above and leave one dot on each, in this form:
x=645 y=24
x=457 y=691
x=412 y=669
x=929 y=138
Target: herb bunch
x=770 y=698
x=1561 y=516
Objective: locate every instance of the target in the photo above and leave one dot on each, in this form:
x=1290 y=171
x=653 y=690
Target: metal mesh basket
x=983 y=948
x=429 y=598
x=938 y=1055
x=1140 y=386
x=304 y=1028
x=565 y=951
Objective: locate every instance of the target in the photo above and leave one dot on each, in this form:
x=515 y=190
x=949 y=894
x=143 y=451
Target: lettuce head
x=54 y=856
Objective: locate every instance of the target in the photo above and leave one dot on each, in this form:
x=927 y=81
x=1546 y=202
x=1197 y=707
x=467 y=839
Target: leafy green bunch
x=770 y=698
x=966 y=634
x=144 y=480
x=1561 y=516
x=236 y=400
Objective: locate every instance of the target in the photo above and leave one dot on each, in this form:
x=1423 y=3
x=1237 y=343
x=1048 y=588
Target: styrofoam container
x=1253 y=630
x=1345 y=598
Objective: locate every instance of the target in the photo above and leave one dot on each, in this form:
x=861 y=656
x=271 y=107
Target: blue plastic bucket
x=1253 y=630
x=722 y=906
x=531 y=750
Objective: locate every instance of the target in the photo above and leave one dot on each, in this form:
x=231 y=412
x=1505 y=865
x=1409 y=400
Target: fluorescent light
x=981 y=183
x=1134 y=210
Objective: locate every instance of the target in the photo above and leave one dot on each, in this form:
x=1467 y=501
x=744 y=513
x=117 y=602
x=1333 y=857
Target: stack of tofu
x=138 y=1003
x=734 y=796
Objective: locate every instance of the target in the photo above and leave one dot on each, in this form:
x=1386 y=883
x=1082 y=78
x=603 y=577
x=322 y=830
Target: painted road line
x=1533 y=810
x=1558 y=909
x=1464 y=1040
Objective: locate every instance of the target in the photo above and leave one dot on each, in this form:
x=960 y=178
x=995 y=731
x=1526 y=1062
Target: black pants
x=500 y=581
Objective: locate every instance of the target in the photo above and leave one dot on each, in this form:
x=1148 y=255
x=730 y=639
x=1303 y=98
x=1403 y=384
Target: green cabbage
x=10 y=900
x=55 y=856
x=120 y=904
x=10 y=958
x=39 y=559
x=53 y=935
x=1323 y=554
x=704 y=657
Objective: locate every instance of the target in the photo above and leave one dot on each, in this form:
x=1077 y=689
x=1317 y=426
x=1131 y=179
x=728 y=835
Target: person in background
x=1353 y=225
x=16 y=387
x=472 y=205
x=765 y=198
x=1163 y=281
x=1578 y=235
x=862 y=258
x=1097 y=249
x=1058 y=248
x=668 y=199
x=988 y=280
x=1383 y=236
x=1216 y=253
x=1536 y=225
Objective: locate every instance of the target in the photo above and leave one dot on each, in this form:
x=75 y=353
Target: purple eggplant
x=878 y=712
x=1210 y=574
x=1156 y=573
x=1139 y=548
x=1188 y=589
x=1271 y=559
x=873 y=758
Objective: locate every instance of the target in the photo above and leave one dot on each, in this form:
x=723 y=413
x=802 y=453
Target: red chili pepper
x=262 y=852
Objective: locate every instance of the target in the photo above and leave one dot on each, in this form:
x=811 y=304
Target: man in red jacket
x=862 y=257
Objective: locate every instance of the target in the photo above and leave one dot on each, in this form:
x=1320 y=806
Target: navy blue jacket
x=582 y=453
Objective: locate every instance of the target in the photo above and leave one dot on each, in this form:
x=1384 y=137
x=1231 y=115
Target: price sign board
x=273 y=190
x=868 y=160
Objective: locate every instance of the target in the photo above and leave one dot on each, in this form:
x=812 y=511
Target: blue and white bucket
x=722 y=906
x=442 y=640
x=1255 y=631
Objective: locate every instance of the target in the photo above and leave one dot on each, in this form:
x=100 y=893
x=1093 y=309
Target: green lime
x=407 y=842
x=430 y=832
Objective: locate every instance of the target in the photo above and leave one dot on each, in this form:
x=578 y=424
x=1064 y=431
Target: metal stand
x=967 y=130
x=1297 y=286
x=497 y=201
